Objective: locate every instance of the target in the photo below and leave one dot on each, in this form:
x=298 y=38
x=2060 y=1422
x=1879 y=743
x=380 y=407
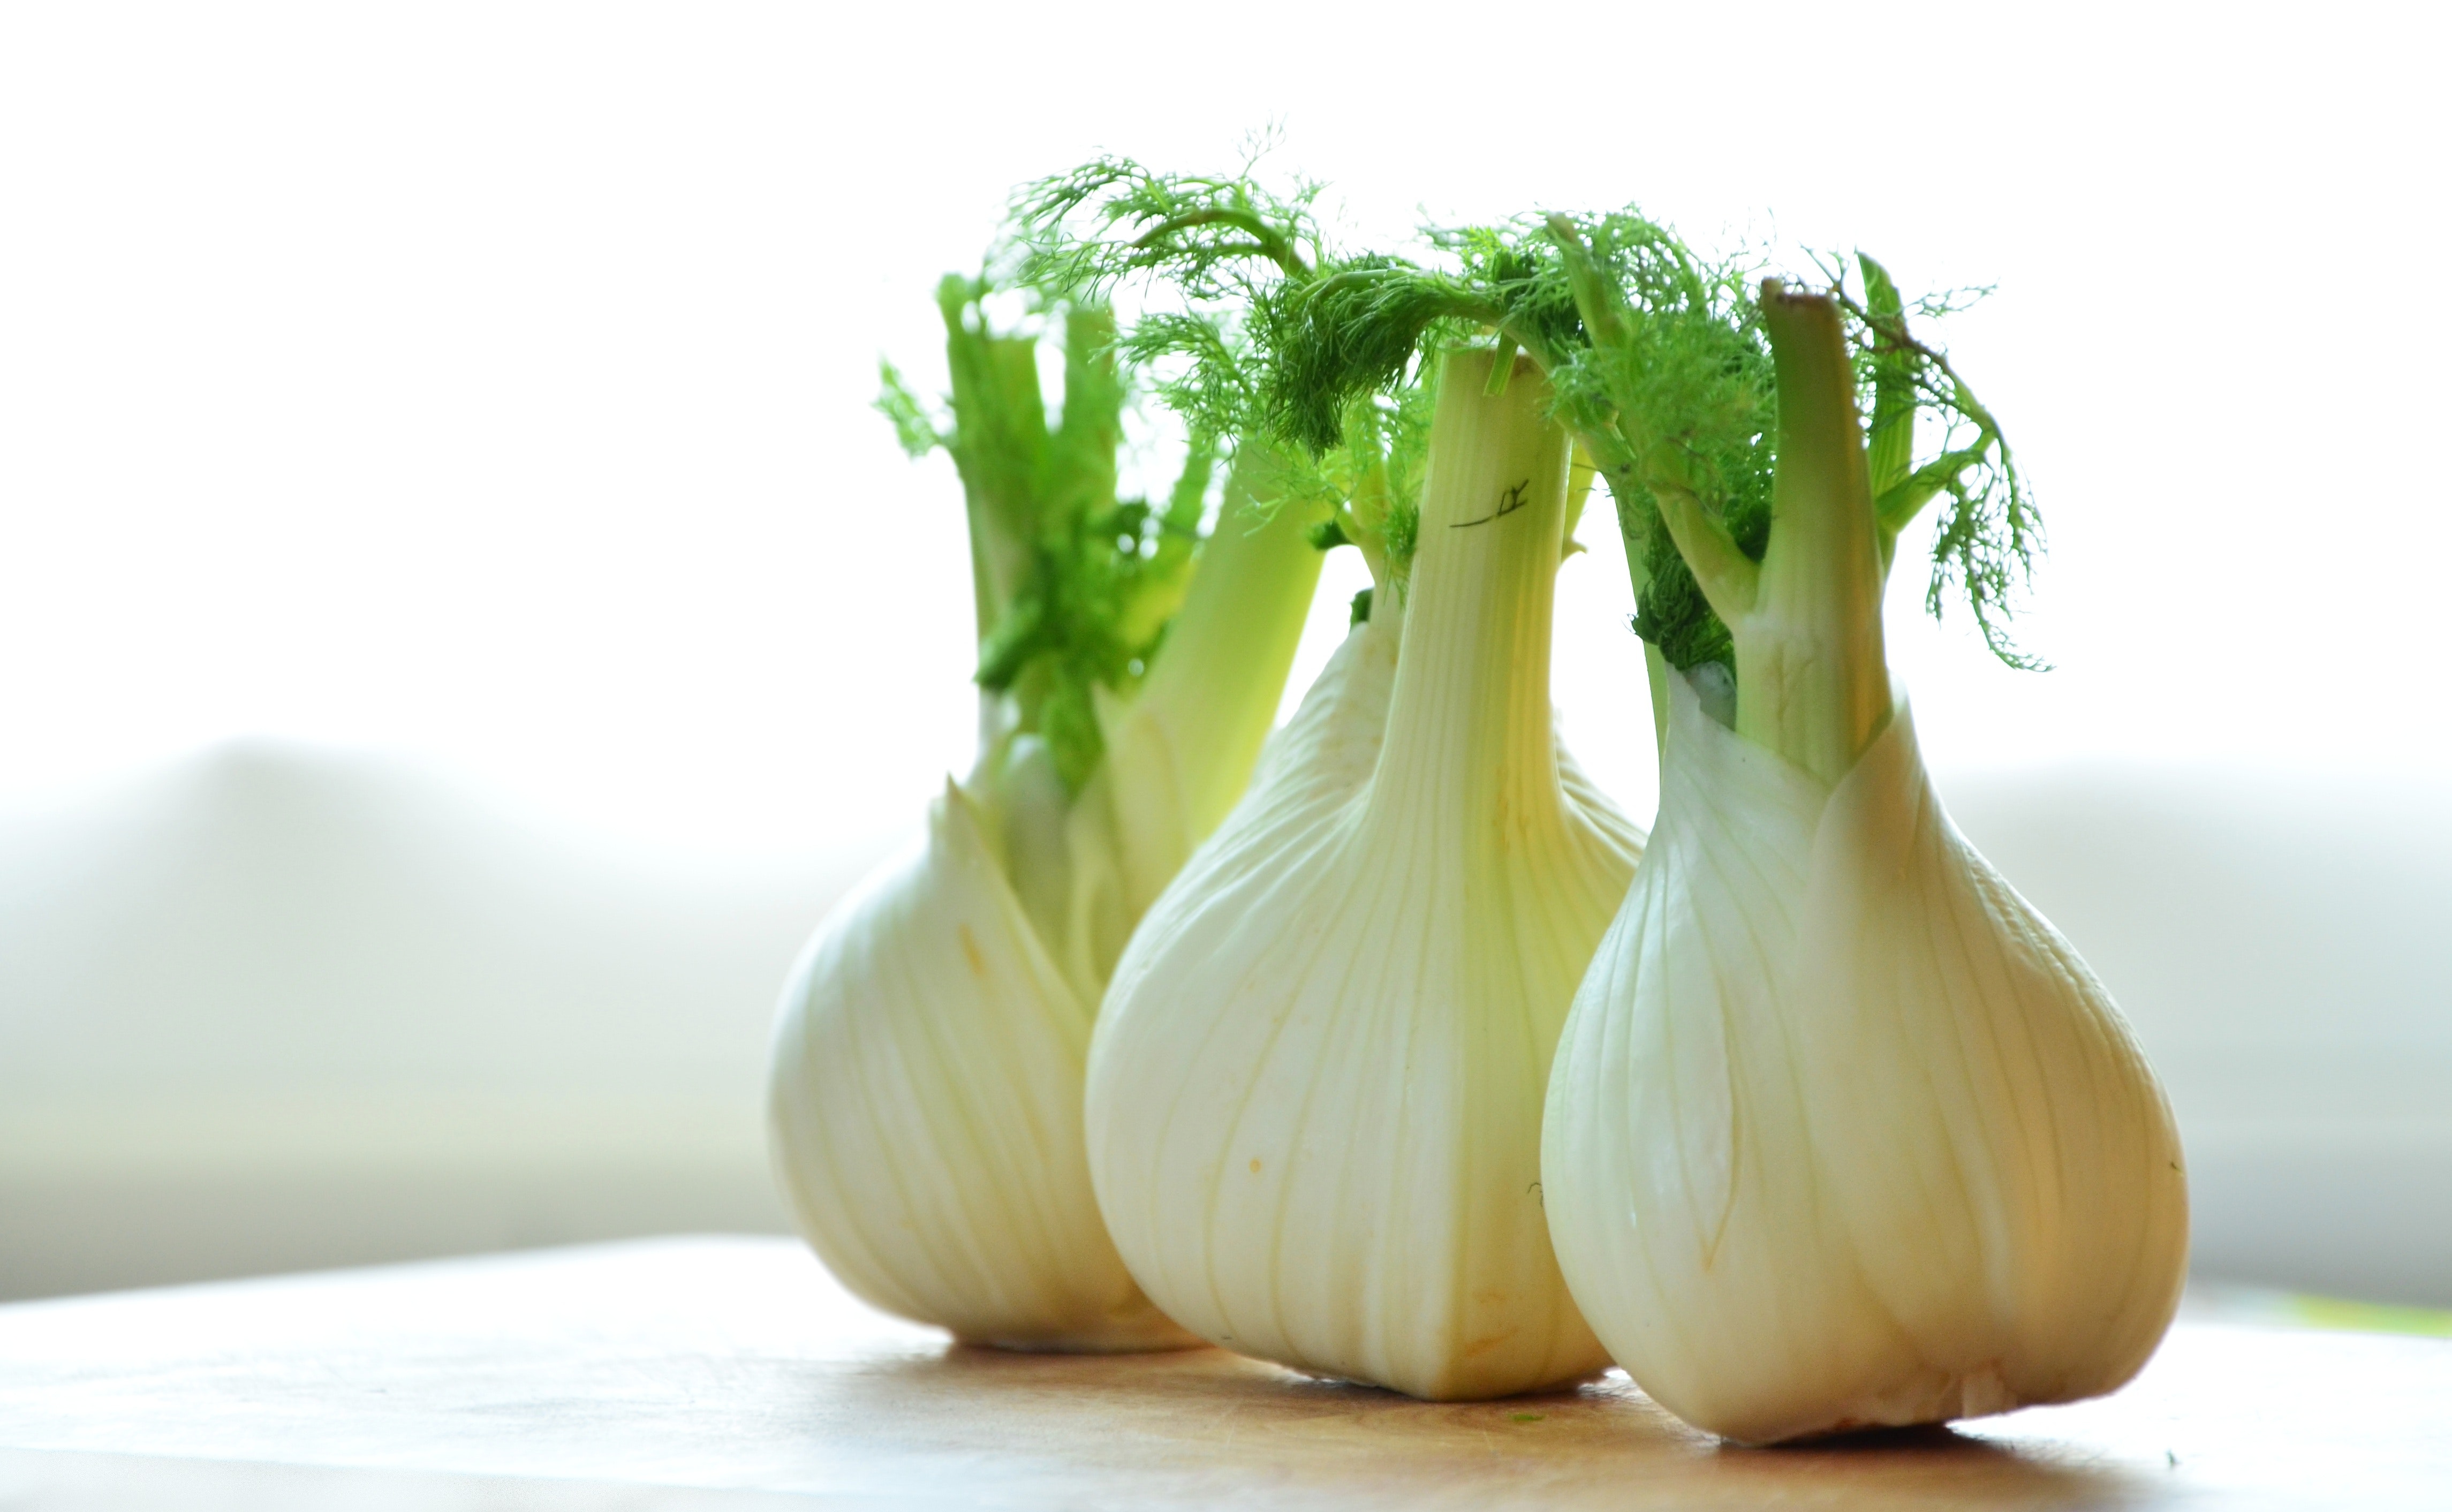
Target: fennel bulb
x=1314 y=1090
x=1841 y=1133
x=925 y=1089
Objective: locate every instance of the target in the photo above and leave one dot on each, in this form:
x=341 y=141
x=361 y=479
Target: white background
x=477 y=396
x=489 y=383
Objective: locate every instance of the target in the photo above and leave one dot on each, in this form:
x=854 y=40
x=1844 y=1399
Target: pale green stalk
x=1813 y=683
x=1227 y=652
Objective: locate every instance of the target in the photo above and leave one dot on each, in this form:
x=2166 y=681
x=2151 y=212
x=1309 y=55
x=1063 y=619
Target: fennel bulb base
x=1841 y=1133
x=1139 y=1330
x=925 y=1110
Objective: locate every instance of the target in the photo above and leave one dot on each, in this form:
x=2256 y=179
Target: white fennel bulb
x=926 y=1109
x=1314 y=1090
x=1841 y=1132
x=925 y=1091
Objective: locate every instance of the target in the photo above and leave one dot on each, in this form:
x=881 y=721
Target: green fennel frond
x=1656 y=355
x=1112 y=218
x=917 y=429
x=1989 y=534
x=1196 y=366
x=1237 y=267
x=1655 y=363
x=1665 y=375
x=1659 y=364
x=1357 y=328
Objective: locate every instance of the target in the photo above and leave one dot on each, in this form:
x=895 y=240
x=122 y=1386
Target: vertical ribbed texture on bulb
x=1314 y=1090
x=1842 y=1133
x=925 y=1110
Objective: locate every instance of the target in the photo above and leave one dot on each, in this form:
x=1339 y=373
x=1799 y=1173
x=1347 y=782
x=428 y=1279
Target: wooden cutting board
x=727 y=1372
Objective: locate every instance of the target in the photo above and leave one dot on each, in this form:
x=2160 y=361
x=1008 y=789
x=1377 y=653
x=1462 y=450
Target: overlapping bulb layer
x=926 y=1085
x=928 y=1109
x=1842 y=1132
x=932 y=1136
x=1314 y=1090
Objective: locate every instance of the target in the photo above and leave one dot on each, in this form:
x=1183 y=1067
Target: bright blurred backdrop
x=461 y=623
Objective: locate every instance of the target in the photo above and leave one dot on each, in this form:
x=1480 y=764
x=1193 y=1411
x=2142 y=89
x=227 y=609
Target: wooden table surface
x=722 y=1373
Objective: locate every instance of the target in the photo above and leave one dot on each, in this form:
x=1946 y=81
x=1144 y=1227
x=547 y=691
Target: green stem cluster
x=1813 y=681
x=1674 y=383
x=1759 y=518
x=1071 y=587
x=1230 y=646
